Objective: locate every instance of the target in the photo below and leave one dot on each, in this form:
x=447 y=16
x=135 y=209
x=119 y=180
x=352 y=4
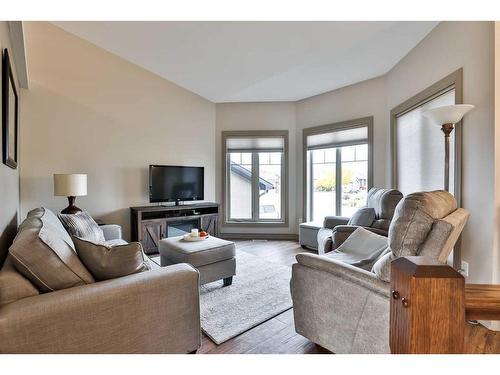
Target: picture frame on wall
x=10 y=113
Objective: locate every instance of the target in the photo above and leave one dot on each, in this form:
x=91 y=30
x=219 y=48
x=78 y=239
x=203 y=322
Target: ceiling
x=257 y=61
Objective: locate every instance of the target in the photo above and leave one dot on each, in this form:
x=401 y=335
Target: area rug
x=260 y=291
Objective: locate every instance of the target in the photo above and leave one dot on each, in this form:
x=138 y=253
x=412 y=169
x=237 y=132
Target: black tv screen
x=175 y=183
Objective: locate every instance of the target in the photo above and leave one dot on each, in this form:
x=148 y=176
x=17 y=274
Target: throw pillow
x=361 y=249
x=43 y=253
x=364 y=217
x=109 y=262
x=82 y=225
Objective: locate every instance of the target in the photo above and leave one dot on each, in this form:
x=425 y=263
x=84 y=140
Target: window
x=418 y=143
x=255 y=177
x=338 y=168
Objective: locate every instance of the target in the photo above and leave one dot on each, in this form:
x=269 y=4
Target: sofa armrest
x=332 y=221
x=155 y=311
x=345 y=271
x=111 y=231
x=324 y=238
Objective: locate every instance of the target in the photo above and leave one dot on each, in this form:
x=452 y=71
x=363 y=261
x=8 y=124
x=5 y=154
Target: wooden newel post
x=427 y=307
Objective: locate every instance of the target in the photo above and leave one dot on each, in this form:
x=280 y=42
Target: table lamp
x=71 y=186
x=447 y=116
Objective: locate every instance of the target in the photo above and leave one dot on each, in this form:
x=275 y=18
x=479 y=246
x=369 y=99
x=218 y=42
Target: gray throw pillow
x=109 y=262
x=82 y=225
x=364 y=217
x=361 y=249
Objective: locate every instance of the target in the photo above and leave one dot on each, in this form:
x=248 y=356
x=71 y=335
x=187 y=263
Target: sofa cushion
x=43 y=253
x=413 y=220
x=360 y=249
x=109 y=262
x=82 y=225
x=13 y=285
x=363 y=217
x=384 y=201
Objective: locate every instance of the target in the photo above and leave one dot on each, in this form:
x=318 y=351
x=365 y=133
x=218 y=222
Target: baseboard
x=260 y=236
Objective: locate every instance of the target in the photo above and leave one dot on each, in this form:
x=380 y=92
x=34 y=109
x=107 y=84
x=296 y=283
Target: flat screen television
x=168 y=183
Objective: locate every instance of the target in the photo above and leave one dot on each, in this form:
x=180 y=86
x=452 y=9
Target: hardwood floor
x=277 y=335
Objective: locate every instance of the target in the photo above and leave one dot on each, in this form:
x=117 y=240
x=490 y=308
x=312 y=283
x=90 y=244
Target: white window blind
x=338 y=138
x=420 y=149
x=255 y=144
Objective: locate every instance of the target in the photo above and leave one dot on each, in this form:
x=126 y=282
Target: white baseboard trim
x=260 y=236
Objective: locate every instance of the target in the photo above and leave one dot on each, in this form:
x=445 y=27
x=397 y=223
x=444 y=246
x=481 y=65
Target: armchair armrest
x=155 y=311
x=111 y=231
x=332 y=221
x=345 y=271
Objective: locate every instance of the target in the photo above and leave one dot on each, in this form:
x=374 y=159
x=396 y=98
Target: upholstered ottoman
x=308 y=234
x=214 y=257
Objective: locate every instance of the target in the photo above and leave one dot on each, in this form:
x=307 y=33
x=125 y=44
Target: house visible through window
x=337 y=162
x=255 y=183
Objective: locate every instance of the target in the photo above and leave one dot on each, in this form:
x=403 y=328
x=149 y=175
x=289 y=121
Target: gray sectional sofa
x=155 y=311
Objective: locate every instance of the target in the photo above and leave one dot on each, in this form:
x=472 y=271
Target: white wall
x=363 y=99
x=89 y=111
x=259 y=116
x=9 y=178
x=452 y=45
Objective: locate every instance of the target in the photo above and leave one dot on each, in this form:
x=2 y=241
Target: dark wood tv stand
x=149 y=224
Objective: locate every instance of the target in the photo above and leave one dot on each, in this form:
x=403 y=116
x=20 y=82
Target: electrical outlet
x=464 y=269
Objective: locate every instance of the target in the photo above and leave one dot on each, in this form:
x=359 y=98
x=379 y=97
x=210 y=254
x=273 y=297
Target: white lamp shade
x=448 y=114
x=70 y=185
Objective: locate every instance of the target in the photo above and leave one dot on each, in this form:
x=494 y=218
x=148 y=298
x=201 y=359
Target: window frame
x=367 y=122
x=226 y=191
x=451 y=81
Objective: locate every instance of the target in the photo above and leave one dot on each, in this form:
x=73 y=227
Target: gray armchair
x=345 y=309
x=336 y=229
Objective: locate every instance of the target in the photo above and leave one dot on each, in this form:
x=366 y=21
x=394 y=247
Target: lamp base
x=71 y=209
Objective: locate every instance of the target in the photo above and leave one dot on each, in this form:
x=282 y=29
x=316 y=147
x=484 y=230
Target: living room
x=272 y=186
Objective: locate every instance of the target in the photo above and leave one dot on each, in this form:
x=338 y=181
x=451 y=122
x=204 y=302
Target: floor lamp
x=447 y=116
